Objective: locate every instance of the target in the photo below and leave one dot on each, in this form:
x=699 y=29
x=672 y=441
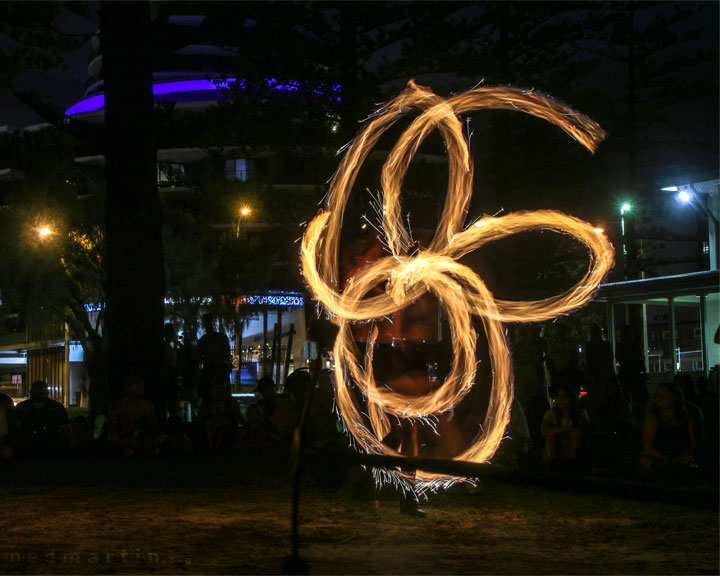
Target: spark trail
x=436 y=269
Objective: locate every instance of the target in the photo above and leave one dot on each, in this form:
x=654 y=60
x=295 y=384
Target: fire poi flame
x=436 y=269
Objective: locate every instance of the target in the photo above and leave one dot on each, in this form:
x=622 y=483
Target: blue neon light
x=97 y=102
x=272 y=300
x=287 y=299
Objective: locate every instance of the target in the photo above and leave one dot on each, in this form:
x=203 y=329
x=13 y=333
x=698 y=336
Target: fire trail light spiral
x=436 y=270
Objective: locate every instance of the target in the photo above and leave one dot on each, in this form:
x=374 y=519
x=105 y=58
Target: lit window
x=239 y=170
x=170 y=174
x=705 y=248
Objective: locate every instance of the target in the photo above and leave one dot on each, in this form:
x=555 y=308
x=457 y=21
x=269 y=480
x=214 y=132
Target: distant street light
x=625 y=208
x=627 y=230
x=243 y=213
x=704 y=195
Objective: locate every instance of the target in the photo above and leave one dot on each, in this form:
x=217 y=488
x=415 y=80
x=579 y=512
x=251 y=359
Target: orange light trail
x=436 y=270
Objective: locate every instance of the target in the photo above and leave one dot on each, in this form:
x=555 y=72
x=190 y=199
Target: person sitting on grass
x=563 y=428
x=255 y=434
x=42 y=423
x=132 y=425
x=668 y=433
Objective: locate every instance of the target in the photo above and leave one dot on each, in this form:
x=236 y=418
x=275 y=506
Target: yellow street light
x=244 y=212
x=44 y=231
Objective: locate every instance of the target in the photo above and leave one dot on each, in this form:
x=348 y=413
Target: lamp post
x=244 y=212
x=46 y=234
x=628 y=238
x=703 y=195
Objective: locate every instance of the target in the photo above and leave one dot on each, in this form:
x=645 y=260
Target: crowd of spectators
x=192 y=411
x=40 y=426
x=592 y=409
x=578 y=408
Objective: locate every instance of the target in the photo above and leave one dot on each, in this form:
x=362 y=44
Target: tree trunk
x=134 y=261
x=348 y=69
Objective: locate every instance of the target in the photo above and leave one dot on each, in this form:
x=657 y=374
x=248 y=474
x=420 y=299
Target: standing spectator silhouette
x=284 y=418
x=605 y=406
x=7 y=407
x=214 y=350
x=608 y=412
x=266 y=398
x=323 y=429
x=563 y=359
x=599 y=362
x=631 y=371
x=685 y=383
x=42 y=423
x=298 y=385
x=166 y=406
x=220 y=417
x=529 y=350
x=189 y=370
x=707 y=401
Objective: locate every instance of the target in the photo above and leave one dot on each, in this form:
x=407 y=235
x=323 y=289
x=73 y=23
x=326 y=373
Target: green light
x=626 y=207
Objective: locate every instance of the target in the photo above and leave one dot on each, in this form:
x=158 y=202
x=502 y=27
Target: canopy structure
x=666 y=303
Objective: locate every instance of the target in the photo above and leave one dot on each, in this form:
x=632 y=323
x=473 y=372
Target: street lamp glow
x=244 y=212
x=684 y=197
x=45 y=231
x=626 y=207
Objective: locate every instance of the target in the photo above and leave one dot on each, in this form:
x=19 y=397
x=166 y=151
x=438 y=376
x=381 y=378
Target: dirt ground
x=220 y=517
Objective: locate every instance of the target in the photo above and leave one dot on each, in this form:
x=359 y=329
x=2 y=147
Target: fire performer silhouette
x=396 y=285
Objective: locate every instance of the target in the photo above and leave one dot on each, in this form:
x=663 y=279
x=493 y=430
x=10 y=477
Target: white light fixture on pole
x=704 y=195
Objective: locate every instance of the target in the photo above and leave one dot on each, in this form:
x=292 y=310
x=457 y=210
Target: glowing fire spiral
x=436 y=270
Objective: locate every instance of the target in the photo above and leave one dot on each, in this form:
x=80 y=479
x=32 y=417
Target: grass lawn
x=231 y=515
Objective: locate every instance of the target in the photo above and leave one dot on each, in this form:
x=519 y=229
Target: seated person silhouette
x=132 y=425
x=563 y=428
x=669 y=433
x=41 y=423
x=256 y=433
